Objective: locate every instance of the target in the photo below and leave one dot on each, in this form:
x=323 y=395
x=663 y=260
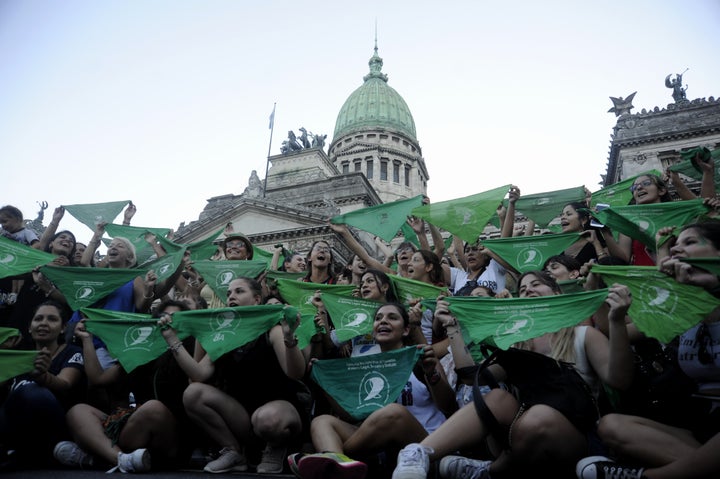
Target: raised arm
x=50 y=230
x=358 y=249
x=508 y=222
x=197 y=370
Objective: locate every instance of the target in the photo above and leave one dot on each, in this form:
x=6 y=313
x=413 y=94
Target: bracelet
x=291 y=344
x=152 y=295
x=175 y=347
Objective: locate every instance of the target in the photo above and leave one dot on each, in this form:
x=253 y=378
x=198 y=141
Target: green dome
x=375 y=105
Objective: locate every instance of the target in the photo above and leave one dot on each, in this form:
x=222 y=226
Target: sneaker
x=136 y=461
x=328 y=464
x=229 y=461
x=293 y=460
x=458 y=467
x=413 y=462
x=69 y=454
x=273 y=458
x=600 y=467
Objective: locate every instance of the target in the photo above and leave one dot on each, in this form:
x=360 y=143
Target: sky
x=166 y=103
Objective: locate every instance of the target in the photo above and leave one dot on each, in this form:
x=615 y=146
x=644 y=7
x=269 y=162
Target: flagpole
x=267 y=163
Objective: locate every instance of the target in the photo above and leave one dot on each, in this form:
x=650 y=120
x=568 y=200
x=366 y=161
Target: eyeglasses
x=235 y=244
x=321 y=249
x=703 y=339
x=644 y=184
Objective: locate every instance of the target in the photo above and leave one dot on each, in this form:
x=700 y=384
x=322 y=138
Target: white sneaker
x=413 y=462
x=70 y=454
x=136 y=461
x=273 y=460
x=600 y=467
x=458 y=467
x=229 y=460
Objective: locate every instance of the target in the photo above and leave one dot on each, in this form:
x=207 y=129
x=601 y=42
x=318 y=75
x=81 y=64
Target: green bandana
x=410 y=235
x=16 y=258
x=466 y=217
x=165 y=266
x=691 y=169
x=364 y=384
x=134 y=339
x=351 y=316
x=7 y=333
x=382 y=220
x=222 y=330
x=509 y=321
x=136 y=235
x=642 y=222
x=299 y=294
x=90 y=214
x=708 y=264
x=219 y=274
x=528 y=253
x=407 y=289
x=542 y=208
x=662 y=308
x=203 y=249
x=14 y=363
x=85 y=286
x=618 y=194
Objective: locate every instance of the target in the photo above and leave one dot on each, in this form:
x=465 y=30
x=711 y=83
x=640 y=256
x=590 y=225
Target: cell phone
x=595 y=223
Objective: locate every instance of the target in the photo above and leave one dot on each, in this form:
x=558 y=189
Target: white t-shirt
x=493 y=277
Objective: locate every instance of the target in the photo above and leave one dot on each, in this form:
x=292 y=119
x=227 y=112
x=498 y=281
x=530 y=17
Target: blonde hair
x=132 y=252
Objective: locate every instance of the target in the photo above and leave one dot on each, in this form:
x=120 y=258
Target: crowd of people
x=574 y=400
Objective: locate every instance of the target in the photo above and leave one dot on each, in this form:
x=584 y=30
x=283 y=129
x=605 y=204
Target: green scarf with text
x=528 y=253
x=381 y=220
x=17 y=258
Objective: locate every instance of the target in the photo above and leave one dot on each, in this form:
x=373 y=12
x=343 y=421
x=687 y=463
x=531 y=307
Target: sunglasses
x=644 y=184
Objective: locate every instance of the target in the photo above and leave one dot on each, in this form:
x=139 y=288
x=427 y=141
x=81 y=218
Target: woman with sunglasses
x=647 y=189
x=690 y=447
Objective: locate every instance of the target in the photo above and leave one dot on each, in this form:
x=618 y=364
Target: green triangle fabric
x=410 y=235
x=691 y=169
x=708 y=264
x=7 y=333
x=351 y=316
x=662 y=308
x=83 y=287
x=260 y=254
x=407 y=289
x=618 y=194
x=165 y=266
x=133 y=339
x=219 y=274
x=571 y=286
x=465 y=217
x=15 y=362
x=542 y=208
x=274 y=274
x=90 y=214
x=382 y=220
x=642 y=222
x=199 y=250
x=505 y=322
x=528 y=253
x=225 y=329
x=362 y=385
x=17 y=258
x=136 y=235
x=299 y=295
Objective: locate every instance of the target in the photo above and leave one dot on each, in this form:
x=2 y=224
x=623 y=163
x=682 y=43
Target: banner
x=85 y=286
x=364 y=384
x=133 y=339
x=528 y=253
x=618 y=194
x=219 y=274
x=222 y=330
x=642 y=222
x=351 y=316
x=407 y=289
x=15 y=362
x=17 y=258
x=466 y=217
x=542 y=208
x=505 y=322
x=662 y=308
x=299 y=294
x=90 y=214
x=382 y=220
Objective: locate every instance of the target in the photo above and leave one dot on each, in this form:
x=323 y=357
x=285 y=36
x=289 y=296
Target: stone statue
x=678 y=93
x=292 y=142
x=318 y=141
x=304 y=138
x=622 y=106
x=255 y=187
x=41 y=214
